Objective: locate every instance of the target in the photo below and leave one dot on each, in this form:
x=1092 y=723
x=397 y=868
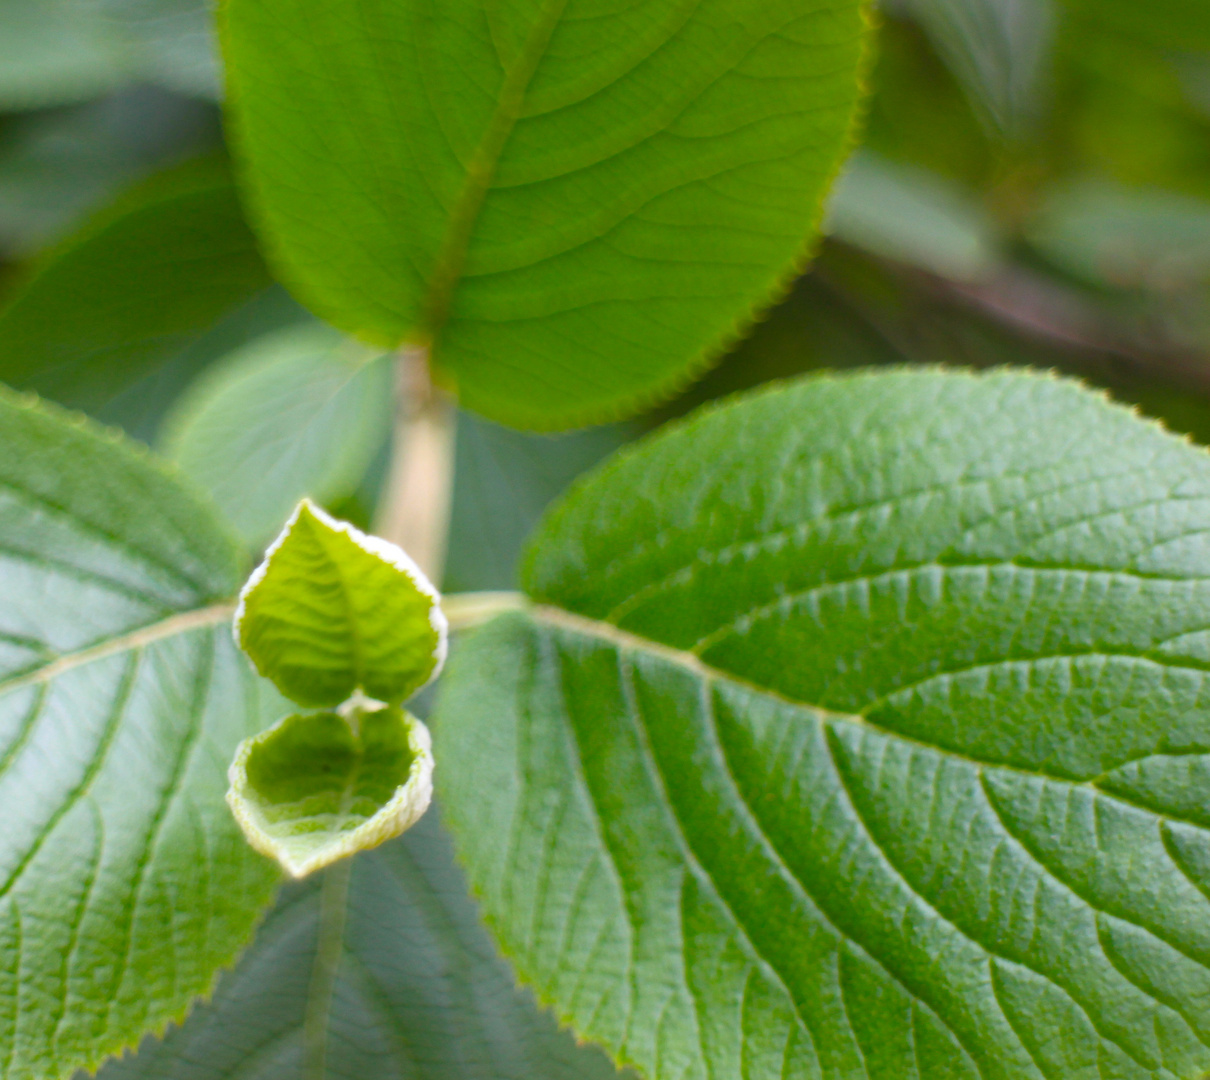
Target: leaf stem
x=333 y=912
x=416 y=510
x=465 y=611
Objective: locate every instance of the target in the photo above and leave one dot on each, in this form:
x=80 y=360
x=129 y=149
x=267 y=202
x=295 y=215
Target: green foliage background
x=1032 y=187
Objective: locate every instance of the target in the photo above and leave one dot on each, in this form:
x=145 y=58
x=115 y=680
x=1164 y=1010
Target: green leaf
x=299 y=412
x=317 y=787
x=419 y=990
x=914 y=216
x=1171 y=25
x=1125 y=237
x=124 y=882
x=878 y=749
x=331 y=612
x=136 y=287
x=557 y=197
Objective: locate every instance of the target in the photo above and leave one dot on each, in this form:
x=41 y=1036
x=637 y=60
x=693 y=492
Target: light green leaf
x=317 y=787
x=417 y=990
x=135 y=288
x=879 y=749
x=1125 y=237
x=558 y=197
x=299 y=412
x=914 y=216
x=124 y=883
x=332 y=611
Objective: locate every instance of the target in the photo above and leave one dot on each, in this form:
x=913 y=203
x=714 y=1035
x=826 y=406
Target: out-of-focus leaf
x=1113 y=235
x=54 y=52
x=907 y=214
x=1177 y=25
x=55 y=165
x=299 y=412
x=418 y=991
x=503 y=480
x=997 y=49
x=141 y=283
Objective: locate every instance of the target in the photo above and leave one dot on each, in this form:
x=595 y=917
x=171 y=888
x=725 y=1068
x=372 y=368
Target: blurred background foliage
x=1032 y=187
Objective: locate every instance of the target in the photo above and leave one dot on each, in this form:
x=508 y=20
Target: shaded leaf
x=300 y=412
x=135 y=288
x=875 y=750
x=913 y=216
x=332 y=611
x=557 y=197
x=420 y=993
x=124 y=883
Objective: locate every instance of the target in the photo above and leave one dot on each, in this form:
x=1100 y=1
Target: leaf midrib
x=180 y=623
x=625 y=641
x=481 y=171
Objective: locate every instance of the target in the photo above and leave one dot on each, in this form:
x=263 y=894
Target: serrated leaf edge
x=381 y=549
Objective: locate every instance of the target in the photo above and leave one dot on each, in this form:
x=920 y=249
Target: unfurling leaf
x=880 y=748
x=332 y=612
x=316 y=787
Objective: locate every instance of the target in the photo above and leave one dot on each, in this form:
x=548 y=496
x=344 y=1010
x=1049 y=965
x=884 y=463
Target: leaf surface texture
x=876 y=749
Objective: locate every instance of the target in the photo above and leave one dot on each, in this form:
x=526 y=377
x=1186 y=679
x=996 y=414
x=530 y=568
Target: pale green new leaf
x=573 y=202
x=878 y=749
x=419 y=992
x=318 y=787
x=124 y=883
x=136 y=287
x=299 y=412
x=331 y=612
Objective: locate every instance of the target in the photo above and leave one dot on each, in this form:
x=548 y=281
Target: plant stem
x=333 y=909
x=416 y=510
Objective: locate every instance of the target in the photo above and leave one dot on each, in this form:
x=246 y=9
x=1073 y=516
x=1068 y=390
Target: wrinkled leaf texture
x=420 y=993
x=878 y=749
x=124 y=882
x=573 y=202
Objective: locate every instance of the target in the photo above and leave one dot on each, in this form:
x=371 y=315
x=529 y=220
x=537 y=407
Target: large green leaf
x=573 y=202
x=418 y=991
x=124 y=882
x=877 y=749
x=135 y=288
x=299 y=412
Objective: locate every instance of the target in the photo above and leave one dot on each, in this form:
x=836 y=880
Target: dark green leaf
x=419 y=994
x=877 y=749
x=135 y=288
x=558 y=197
x=124 y=883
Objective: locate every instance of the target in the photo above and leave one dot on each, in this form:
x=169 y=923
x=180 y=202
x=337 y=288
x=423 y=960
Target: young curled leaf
x=332 y=611
x=316 y=788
